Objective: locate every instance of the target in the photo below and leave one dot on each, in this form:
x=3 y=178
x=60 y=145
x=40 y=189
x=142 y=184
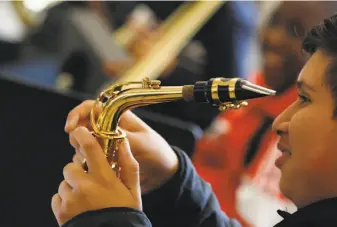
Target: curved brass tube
x=116 y=99
x=130 y=99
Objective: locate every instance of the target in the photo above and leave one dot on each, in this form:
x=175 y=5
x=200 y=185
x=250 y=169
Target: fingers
x=73 y=142
x=130 y=122
x=134 y=141
x=78 y=159
x=79 y=112
x=74 y=174
x=80 y=115
x=56 y=203
x=129 y=170
x=78 y=156
x=92 y=152
x=130 y=167
x=64 y=189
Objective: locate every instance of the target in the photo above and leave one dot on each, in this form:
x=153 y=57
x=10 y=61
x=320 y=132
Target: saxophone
x=224 y=93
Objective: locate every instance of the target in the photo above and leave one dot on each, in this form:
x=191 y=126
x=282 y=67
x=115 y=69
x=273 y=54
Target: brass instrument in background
x=225 y=93
x=175 y=33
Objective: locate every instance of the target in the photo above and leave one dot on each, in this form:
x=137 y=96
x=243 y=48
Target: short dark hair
x=324 y=37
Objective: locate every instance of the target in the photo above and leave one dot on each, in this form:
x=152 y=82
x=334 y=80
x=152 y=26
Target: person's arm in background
x=210 y=150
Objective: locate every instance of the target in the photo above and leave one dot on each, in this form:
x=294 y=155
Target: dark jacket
x=188 y=201
x=319 y=214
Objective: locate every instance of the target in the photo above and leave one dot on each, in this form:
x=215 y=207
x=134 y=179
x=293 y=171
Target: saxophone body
x=224 y=93
x=117 y=99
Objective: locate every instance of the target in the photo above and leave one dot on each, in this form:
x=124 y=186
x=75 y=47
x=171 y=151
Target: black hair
x=323 y=37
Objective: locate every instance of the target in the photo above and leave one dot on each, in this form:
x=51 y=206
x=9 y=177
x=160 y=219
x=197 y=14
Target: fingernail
x=71 y=122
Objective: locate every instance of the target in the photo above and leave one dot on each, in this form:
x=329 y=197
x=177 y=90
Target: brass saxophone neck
x=226 y=93
x=119 y=98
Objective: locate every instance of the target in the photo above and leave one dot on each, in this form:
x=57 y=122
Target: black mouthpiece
x=223 y=90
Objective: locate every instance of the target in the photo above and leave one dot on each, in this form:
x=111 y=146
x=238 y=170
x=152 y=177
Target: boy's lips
x=286 y=153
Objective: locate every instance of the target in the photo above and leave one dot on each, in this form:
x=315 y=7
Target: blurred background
x=55 y=54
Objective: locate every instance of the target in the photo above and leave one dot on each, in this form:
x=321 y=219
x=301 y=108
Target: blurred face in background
x=282 y=39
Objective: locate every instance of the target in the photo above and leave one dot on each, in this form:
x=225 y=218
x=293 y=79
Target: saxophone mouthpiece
x=218 y=91
x=248 y=90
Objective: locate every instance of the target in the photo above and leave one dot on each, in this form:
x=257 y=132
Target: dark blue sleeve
x=110 y=217
x=185 y=200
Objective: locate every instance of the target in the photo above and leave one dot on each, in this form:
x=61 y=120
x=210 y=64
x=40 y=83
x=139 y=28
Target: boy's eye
x=303 y=98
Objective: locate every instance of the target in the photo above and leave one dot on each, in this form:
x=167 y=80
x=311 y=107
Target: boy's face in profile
x=308 y=138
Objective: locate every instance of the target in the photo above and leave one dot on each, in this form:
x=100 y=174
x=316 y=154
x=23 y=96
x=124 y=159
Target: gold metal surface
x=118 y=98
x=214 y=90
x=220 y=82
x=231 y=88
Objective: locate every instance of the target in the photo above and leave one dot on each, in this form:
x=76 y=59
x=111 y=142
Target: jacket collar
x=315 y=213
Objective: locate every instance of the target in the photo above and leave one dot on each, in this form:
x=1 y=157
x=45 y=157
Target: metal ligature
x=224 y=93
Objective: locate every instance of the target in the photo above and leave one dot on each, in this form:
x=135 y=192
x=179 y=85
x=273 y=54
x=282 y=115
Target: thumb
x=132 y=123
x=129 y=169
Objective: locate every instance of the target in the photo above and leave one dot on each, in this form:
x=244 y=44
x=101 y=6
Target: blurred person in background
x=232 y=26
x=217 y=50
x=237 y=153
